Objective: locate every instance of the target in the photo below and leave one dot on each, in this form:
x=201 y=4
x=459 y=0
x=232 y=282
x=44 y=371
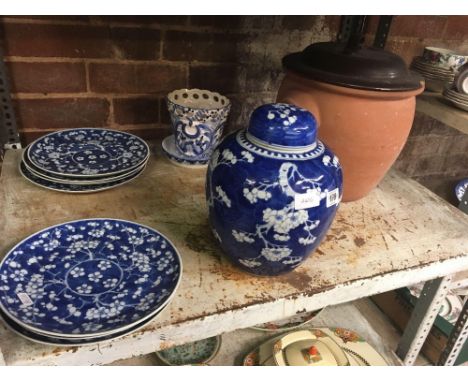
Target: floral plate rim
x=93 y=187
x=106 y=332
x=69 y=342
x=78 y=176
x=79 y=182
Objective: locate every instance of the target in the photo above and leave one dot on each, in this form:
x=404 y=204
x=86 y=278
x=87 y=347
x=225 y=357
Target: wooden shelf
x=399 y=235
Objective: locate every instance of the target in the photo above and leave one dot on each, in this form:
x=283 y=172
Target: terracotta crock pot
x=364 y=102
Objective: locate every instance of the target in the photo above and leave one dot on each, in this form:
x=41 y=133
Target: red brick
x=51 y=18
x=406 y=49
x=145 y=132
x=40 y=40
x=133 y=111
x=225 y=22
x=135 y=78
x=300 y=22
x=81 y=41
x=165 y=116
x=47 y=77
x=260 y=22
x=194 y=46
x=457 y=27
x=61 y=113
x=135 y=43
x=223 y=78
x=146 y=19
x=418 y=26
x=149 y=133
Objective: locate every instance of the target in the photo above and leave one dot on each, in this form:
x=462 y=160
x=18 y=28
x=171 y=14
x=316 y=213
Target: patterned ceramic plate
x=198 y=352
x=88 y=277
x=75 y=188
x=288 y=323
x=88 y=152
x=72 y=180
x=358 y=351
x=52 y=340
x=460 y=189
x=169 y=148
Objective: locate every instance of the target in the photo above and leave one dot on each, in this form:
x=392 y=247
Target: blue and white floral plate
x=63 y=341
x=175 y=156
x=88 y=278
x=75 y=188
x=88 y=152
x=63 y=179
x=461 y=188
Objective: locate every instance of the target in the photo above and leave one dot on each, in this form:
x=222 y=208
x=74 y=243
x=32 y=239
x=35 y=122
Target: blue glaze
x=92 y=276
x=70 y=179
x=283 y=125
x=197 y=130
x=75 y=188
x=270 y=208
x=170 y=150
x=52 y=340
x=460 y=189
x=87 y=152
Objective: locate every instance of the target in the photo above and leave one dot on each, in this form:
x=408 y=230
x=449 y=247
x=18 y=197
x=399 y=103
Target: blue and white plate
x=460 y=189
x=72 y=180
x=88 y=278
x=61 y=341
x=75 y=188
x=175 y=156
x=88 y=152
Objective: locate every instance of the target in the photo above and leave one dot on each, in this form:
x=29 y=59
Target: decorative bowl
x=198 y=118
x=315 y=347
x=193 y=353
x=443 y=58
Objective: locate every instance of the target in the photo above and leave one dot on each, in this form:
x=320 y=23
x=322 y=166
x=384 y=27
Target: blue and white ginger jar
x=273 y=190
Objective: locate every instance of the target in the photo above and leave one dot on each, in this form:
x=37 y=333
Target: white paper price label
x=333 y=197
x=25 y=299
x=308 y=200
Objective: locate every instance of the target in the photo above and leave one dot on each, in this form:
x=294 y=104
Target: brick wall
x=410 y=34
x=115 y=70
x=435 y=155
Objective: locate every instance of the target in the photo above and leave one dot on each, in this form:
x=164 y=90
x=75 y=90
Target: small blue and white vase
x=273 y=190
x=198 y=118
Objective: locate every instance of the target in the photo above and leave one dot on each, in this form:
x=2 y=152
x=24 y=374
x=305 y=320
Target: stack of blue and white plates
x=87 y=281
x=84 y=160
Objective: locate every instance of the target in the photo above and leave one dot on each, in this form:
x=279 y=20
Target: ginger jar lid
x=282 y=125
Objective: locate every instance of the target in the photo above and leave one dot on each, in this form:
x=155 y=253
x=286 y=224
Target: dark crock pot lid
x=362 y=68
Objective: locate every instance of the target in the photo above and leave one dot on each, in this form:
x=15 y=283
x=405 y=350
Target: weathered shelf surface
x=437 y=107
x=399 y=235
